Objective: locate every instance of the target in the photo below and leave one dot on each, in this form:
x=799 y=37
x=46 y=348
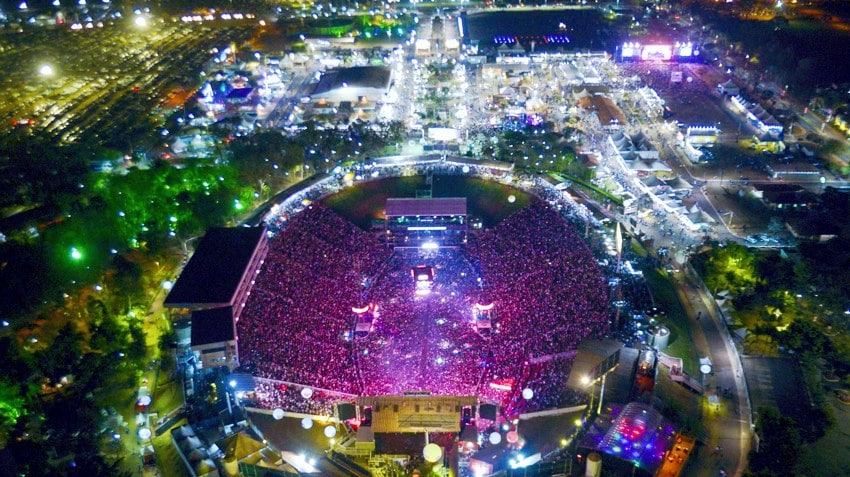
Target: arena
x=323 y=276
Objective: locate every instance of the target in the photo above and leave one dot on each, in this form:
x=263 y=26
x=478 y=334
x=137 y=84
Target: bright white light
x=330 y=431
x=307 y=423
x=140 y=21
x=45 y=70
x=430 y=246
x=527 y=394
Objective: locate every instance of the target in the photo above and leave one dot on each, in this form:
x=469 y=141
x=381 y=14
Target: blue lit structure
x=637 y=434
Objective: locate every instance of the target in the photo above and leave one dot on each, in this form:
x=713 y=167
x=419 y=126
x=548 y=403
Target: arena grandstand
x=324 y=279
x=459 y=339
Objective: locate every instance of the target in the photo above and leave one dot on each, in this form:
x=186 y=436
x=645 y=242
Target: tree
x=803 y=336
x=63 y=355
x=137 y=349
x=779 y=446
x=732 y=268
x=126 y=282
x=11 y=407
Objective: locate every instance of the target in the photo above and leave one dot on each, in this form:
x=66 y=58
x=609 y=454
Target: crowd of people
x=549 y=291
x=297 y=319
x=273 y=394
x=422 y=342
x=297 y=326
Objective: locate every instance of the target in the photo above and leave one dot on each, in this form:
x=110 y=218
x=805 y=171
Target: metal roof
x=213 y=274
x=436 y=207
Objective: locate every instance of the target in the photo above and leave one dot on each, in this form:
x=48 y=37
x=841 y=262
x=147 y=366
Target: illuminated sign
x=443 y=134
x=426 y=228
x=684 y=49
x=630 y=49
x=657 y=52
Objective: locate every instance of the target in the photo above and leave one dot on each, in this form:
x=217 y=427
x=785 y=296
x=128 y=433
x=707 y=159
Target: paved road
x=728 y=422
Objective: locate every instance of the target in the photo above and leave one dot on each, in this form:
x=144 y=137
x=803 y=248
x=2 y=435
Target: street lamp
x=46 y=70
x=705 y=368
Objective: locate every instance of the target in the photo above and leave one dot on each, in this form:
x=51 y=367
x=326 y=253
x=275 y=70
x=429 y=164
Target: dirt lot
x=747 y=214
x=692 y=102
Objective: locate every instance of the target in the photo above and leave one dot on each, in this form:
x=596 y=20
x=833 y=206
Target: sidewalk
x=727 y=419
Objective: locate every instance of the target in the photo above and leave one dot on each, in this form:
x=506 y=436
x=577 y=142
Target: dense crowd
x=550 y=292
x=298 y=323
x=296 y=320
x=271 y=394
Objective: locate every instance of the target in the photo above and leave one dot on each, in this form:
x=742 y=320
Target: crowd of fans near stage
x=297 y=326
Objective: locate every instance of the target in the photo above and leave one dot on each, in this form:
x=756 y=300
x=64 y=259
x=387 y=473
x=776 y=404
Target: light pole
x=705 y=368
x=601 y=395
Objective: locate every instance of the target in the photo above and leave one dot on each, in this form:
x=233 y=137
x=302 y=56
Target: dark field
x=486 y=200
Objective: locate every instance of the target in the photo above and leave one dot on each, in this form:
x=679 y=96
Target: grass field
x=486 y=200
x=681 y=342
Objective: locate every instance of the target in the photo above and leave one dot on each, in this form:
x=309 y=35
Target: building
x=795 y=170
x=214 y=286
x=637 y=434
x=636 y=153
x=816 y=229
x=729 y=88
x=358 y=85
x=650 y=101
x=194 y=454
x=221 y=271
x=214 y=338
x=698 y=136
x=757 y=116
x=244 y=453
x=784 y=196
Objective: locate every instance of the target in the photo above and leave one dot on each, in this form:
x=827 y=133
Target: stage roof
x=592 y=354
x=468 y=161
x=212 y=326
x=413 y=207
x=213 y=274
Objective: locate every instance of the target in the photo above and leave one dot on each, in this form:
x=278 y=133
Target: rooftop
x=356 y=77
x=213 y=274
x=441 y=206
x=212 y=326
